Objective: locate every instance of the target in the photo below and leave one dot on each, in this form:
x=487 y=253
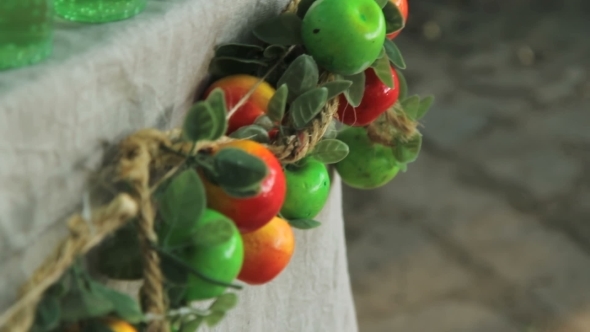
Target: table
x=106 y=81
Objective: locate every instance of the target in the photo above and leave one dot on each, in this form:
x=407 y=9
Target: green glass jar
x=98 y=11
x=26 y=32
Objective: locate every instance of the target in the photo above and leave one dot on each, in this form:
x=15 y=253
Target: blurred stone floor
x=489 y=231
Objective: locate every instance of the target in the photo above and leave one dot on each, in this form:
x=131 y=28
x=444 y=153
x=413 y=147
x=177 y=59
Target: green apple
x=344 y=36
x=308 y=188
x=222 y=262
x=368 y=165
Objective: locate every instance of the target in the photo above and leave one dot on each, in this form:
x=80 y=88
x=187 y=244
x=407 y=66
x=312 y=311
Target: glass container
x=98 y=11
x=26 y=32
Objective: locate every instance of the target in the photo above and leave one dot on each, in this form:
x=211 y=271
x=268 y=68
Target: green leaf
x=176 y=275
x=192 y=325
x=238 y=169
x=119 y=256
x=382 y=53
x=226 y=66
x=238 y=50
x=216 y=100
x=48 y=313
x=354 y=94
x=303 y=7
x=394 y=21
x=58 y=289
x=180 y=262
x=304 y=223
x=123 y=305
x=214 y=318
x=403 y=167
x=206 y=164
x=202 y=122
x=403 y=85
x=224 y=302
x=277 y=103
x=411 y=105
x=96 y=326
x=382 y=3
x=176 y=296
x=265 y=122
x=252 y=132
x=383 y=71
x=242 y=192
x=184 y=200
x=284 y=29
x=243 y=60
x=274 y=51
x=213 y=233
x=336 y=87
x=330 y=151
x=394 y=54
x=425 y=105
x=301 y=76
x=82 y=303
x=331 y=131
x=407 y=152
x=307 y=106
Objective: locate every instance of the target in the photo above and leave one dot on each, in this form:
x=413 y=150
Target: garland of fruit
x=198 y=207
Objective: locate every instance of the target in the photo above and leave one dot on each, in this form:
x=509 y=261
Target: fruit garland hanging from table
x=200 y=206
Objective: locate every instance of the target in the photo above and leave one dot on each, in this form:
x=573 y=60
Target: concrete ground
x=489 y=231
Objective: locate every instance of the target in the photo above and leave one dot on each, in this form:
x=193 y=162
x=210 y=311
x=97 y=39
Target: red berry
x=377 y=98
x=402 y=5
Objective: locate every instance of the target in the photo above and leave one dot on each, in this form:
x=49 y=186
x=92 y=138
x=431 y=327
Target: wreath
x=196 y=207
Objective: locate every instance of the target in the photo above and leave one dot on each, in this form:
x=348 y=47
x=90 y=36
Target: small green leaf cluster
x=77 y=298
x=304 y=223
x=299 y=94
x=299 y=87
x=300 y=91
x=407 y=149
x=206 y=120
x=249 y=59
x=329 y=151
x=406 y=152
x=236 y=171
x=193 y=318
x=416 y=107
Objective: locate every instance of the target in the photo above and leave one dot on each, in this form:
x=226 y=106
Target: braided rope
x=394 y=123
x=295 y=147
x=292 y=6
x=136 y=154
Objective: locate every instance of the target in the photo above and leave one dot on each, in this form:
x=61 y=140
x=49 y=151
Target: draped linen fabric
x=102 y=83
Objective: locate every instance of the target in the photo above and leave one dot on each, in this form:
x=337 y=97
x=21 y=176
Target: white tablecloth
x=102 y=83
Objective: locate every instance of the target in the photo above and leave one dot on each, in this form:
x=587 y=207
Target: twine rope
x=136 y=155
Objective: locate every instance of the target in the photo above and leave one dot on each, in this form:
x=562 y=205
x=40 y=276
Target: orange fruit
x=267 y=251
